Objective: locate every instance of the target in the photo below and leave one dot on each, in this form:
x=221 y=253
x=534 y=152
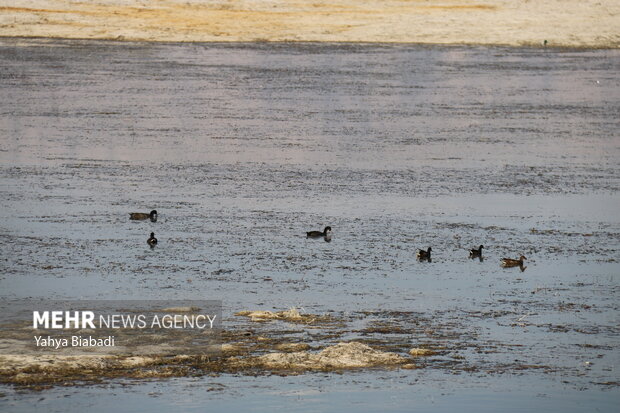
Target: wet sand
x=574 y=23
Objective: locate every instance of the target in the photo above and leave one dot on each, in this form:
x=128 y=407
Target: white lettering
x=75 y=319
x=38 y=319
x=56 y=319
x=87 y=319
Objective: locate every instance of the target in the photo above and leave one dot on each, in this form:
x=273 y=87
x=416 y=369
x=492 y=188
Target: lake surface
x=242 y=148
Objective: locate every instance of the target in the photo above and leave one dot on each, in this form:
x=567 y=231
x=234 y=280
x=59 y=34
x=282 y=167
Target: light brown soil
x=579 y=23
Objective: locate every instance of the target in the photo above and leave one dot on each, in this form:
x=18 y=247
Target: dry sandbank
x=571 y=23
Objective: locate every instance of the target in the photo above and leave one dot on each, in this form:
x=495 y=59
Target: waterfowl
x=509 y=262
x=424 y=255
x=474 y=253
x=152 y=241
x=327 y=232
x=142 y=215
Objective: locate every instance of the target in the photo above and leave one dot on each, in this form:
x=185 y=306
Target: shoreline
x=587 y=24
x=308 y=42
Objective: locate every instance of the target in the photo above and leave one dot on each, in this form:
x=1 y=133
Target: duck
x=475 y=253
x=139 y=216
x=424 y=255
x=152 y=241
x=327 y=233
x=510 y=262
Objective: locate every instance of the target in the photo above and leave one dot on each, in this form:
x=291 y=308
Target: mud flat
x=245 y=352
x=288 y=343
x=575 y=23
x=38 y=372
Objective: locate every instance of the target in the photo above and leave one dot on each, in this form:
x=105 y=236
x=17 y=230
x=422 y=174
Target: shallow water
x=242 y=148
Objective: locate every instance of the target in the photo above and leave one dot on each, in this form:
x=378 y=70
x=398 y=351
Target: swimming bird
x=509 y=262
x=327 y=232
x=475 y=253
x=424 y=255
x=152 y=241
x=142 y=215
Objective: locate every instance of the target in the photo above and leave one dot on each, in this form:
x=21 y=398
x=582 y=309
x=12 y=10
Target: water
x=242 y=148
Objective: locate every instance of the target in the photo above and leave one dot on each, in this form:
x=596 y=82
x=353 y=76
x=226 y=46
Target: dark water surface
x=242 y=148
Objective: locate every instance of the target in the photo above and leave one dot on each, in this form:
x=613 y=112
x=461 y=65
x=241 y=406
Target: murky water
x=243 y=148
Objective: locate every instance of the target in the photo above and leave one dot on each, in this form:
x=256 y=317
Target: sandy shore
x=579 y=23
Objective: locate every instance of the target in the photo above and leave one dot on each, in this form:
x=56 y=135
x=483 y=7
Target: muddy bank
x=249 y=354
x=242 y=351
x=287 y=346
x=292 y=315
x=39 y=372
x=492 y=22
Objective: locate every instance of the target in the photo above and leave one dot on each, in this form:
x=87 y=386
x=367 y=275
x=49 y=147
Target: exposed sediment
x=242 y=351
x=44 y=371
x=291 y=315
x=340 y=356
x=575 y=23
x=390 y=340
